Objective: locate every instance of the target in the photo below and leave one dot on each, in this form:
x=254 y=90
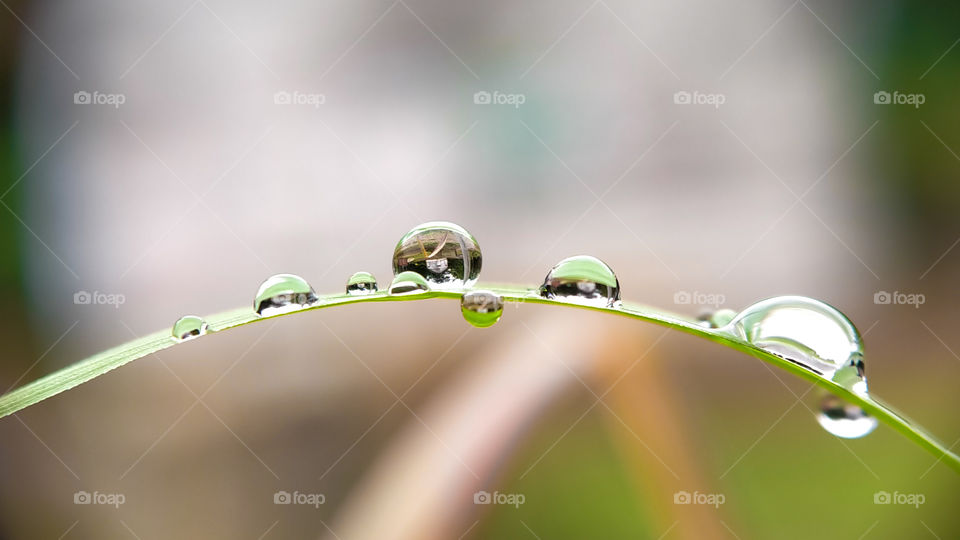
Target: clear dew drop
x=481 y=308
x=716 y=319
x=583 y=280
x=283 y=293
x=189 y=327
x=808 y=333
x=844 y=419
x=361 y=283
x=445 y=254
x=408 y=283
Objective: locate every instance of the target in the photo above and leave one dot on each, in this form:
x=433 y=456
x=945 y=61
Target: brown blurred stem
x=648 y=427
x=423 y=485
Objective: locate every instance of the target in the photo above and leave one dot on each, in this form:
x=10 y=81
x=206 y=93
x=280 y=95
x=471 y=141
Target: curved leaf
x=108 y=360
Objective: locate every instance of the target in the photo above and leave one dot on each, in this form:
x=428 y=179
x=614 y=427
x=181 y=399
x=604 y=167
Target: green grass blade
x=108 y=360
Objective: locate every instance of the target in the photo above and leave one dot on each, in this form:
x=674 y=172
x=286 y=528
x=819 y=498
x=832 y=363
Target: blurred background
x=167 y=157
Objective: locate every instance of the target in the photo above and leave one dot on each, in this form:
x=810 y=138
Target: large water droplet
x=188 y=327
x=584 y=280
x=282 y=293
x=806 y=332
x=481 y=308
x=361 y=283
x=408 y=283
x=844 y=419
x=445 y=254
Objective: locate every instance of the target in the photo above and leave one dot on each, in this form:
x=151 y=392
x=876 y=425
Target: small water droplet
x=717 y=319
x=408 y=283
x=806 y=332
x=445 y=254
x=189 y=327
x=361 y=283
x=584 y=280
x=283 y=293
x=481 y=308
x=844 y=419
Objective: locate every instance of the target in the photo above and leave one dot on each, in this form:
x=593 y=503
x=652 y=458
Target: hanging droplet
x=584 y=280
x=445 y=254
x=189 y=327
x=718 y=318
x=361 y=283
x=408 y=283
x=844 y=419
x=808 y=333
x=481 y=308
x=282 y=293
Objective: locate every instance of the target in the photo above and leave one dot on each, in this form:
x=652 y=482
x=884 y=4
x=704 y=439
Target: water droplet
x=282 y=293
x=361 y=283
x=408 y=283
x=189 y=327
x=806 y=332
x=445 y=254
x=584 y=280
x=481 y=308
x=718 y=318
x=844 y=419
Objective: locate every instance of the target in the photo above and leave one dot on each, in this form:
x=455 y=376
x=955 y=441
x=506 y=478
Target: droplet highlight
x=406 y=283
x=717 y=319
x=844 y=419
x=361 y=283
x=583 y=280
x=283 y=293
x=481 y=308
x=189 y=327
x=808 y=333
x=445 y=254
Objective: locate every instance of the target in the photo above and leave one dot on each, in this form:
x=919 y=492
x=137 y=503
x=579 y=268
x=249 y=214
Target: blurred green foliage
x=581 y=488
x=10 y=164
x=918 y=169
